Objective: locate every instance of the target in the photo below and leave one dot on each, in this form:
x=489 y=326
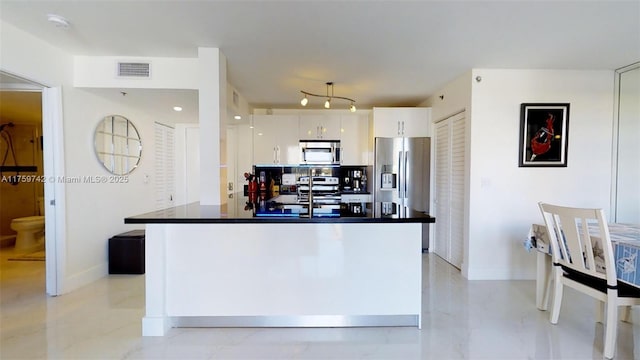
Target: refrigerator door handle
x=400 y=179
x=404 y=176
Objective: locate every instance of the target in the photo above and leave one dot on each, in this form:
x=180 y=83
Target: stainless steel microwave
x=319 y=152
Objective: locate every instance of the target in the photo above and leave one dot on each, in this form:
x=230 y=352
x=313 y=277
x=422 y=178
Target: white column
x=155 y=322
x=212 y=106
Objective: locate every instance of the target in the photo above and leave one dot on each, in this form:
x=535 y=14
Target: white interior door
x=165 y=188
x=450 y=166
x=442 y=189
x=458 y=166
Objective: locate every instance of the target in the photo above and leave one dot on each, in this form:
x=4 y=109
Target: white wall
x=456 y=96
x=23 y=55
x=511 y=193
x=502 y=198
x=213 y=105
x=166 y=73
x=95 y=212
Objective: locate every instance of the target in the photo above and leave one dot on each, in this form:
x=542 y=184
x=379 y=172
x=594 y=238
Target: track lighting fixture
x=327 y=103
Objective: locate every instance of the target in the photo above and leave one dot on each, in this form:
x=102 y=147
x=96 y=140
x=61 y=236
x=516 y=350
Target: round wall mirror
x=118 y=145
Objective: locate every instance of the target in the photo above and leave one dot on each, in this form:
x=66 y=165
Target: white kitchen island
x=208 y=268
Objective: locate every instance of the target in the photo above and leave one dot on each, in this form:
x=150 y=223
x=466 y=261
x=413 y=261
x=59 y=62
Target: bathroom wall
x=19 y=200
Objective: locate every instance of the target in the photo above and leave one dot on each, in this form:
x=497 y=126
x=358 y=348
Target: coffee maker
x=354 y=179
x=356 y=176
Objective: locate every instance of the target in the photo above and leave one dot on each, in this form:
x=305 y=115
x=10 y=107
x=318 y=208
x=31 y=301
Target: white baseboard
x=85 y=277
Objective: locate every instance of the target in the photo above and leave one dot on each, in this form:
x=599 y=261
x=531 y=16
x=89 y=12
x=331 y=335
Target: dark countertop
x=240 y=211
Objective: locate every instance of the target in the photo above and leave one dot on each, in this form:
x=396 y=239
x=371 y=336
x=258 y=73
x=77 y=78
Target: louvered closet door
x=449 y=188
x=442 y=182
x=164 y=182
x=456 y=221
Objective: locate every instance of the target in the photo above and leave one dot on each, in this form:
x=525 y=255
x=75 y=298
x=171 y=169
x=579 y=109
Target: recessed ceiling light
x=58 y=21
x=177 y=108
x=238 y=117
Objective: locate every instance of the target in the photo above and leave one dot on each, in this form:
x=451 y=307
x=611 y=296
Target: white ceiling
x=382 y=53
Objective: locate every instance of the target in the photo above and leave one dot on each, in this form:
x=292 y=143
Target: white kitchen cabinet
x=275 y=139
x=354 y=140
x=319 y=127
x=401 y=121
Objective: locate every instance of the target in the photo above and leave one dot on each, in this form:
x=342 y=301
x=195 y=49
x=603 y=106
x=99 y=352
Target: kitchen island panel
x=311 y=274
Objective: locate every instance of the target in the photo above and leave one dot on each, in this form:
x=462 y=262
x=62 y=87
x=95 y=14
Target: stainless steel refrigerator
x=402 y=173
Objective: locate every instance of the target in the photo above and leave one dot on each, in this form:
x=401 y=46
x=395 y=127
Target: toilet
x=30 y=229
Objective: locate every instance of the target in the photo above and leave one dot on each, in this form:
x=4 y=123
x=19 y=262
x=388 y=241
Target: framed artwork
x=544 y=135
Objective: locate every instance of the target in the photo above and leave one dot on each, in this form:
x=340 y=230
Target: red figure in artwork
x=541 y=141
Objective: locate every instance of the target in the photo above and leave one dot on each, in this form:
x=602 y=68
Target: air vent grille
x=134 y=69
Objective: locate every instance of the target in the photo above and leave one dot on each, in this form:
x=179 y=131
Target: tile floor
x=461 y=320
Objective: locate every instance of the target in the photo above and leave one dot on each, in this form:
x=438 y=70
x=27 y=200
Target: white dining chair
x=572 y=250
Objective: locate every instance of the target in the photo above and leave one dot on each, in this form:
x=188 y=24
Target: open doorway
x=22 y=224
x=31 y=157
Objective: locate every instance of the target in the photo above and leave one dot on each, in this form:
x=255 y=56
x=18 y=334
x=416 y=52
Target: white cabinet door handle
x=399 y=128
x=402 y=128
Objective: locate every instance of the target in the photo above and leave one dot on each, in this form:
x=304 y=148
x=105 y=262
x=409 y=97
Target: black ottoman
x=126 y=253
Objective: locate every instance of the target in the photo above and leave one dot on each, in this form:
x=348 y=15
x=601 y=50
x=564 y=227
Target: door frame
x=614 y=213
x=54 y=187
x=54 y=193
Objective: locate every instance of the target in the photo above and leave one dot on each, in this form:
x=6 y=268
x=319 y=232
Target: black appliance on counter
x=353 y=179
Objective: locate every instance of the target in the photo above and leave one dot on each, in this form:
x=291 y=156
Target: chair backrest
x=577 y=236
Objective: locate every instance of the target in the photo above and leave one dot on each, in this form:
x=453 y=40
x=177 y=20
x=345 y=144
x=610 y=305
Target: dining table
x=626 y=249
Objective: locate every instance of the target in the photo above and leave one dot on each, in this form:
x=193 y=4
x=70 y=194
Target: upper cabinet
x=319 y=127
x=354 y=139
x=275 y=139
x=401 y=121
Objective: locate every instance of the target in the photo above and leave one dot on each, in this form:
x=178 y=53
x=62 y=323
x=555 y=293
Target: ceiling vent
x=134 y=69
